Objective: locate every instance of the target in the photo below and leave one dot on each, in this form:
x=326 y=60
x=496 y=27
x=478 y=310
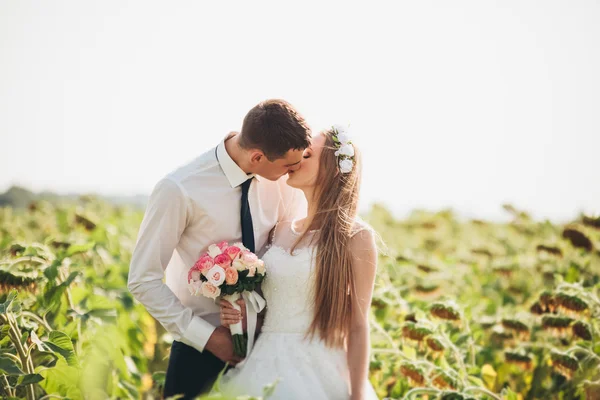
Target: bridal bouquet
x=231 y=272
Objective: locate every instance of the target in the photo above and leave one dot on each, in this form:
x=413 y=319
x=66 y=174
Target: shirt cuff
x=197 y=333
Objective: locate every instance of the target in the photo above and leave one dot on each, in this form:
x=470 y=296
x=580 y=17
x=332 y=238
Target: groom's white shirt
x=191 y=208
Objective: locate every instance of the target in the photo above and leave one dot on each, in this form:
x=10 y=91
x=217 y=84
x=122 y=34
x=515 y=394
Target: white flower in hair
x=345 y=150
x=346 y=166
x=340 y=128
x=343 y=138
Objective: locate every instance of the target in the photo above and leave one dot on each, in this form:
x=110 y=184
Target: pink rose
x=249 y=258
x=223 y=260
x=222 y=245
x=216 y=275
x=204 y=263
x=209 y=290
x=251 y=270
x=231 y=276
x=232 y=251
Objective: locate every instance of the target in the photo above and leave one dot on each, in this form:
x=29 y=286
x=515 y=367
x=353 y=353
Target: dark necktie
x=246 y=218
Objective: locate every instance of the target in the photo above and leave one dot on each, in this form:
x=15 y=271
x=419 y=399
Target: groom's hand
x=220 y=344
x=230 y=315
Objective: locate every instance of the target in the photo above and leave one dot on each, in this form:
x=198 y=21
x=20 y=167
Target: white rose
x=346 y=166
x=260 y=267
x=238 y=264
x=340 y=129
x=195 y=276
x=216 y=275
x=214 y=250
x=343 y=138
x=345 y=150
x=251 y=270
x=240 y=246
x=209 y=290
x=195 y=288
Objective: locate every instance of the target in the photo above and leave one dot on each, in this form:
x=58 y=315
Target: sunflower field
x=462 y=309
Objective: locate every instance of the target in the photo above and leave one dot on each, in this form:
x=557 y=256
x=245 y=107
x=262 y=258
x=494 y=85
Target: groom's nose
x=295 y=167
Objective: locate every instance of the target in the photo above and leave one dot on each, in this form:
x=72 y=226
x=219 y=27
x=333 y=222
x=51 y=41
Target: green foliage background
x=462 y=308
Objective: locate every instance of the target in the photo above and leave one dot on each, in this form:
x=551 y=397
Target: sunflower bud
x=504 y=270
x=547 y=301
x=557 y=326
x=582 y=330
x=520 y=329
x=452 y=395
x=428 y=290
x=427 y=268
x=571 y=305
x=415 y=332
x=553 y=250
x=414 y=374
x=436 y=346
x=536 y=309
x=578 y=238
x=564 y=364
x=446 y=311
x=442 y=380
x=522 y=360
x=502 y=338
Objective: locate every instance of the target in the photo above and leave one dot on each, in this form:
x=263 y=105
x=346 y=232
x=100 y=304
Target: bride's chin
x=290 y=181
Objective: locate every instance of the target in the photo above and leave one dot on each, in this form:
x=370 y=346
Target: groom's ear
x=256 y=156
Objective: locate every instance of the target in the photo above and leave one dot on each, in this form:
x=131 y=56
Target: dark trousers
x=190 y=372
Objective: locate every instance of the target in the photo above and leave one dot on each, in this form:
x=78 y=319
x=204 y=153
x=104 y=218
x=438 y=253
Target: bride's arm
x=364 y=264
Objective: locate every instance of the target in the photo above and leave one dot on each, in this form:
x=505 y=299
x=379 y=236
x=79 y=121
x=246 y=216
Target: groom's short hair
x=274 y=127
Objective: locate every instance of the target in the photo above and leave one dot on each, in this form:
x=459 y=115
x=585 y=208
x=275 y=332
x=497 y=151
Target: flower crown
x=345 y=150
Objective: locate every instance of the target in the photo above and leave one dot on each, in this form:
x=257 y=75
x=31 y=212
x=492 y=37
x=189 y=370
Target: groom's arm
x=168 y=213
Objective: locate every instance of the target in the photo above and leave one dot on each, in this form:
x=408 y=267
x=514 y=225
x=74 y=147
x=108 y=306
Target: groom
x=233 y=192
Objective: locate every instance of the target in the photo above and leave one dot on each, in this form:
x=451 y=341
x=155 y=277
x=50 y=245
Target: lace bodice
x=287 y=287
x=287 y=290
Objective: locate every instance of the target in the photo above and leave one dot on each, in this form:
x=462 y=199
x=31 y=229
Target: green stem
x=6 y=387
x=15 y=335
x=471 y=342
x=236 y=348
x=482 y=390
x=585 y=351
x=36 y=318
x=417 y=391
x=457 y=356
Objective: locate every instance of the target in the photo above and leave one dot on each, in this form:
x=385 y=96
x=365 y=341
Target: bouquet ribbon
x=254 y=305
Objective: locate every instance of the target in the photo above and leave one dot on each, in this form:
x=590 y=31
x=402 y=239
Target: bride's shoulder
x=362 y=237
x=363 y=245
x=361 y=226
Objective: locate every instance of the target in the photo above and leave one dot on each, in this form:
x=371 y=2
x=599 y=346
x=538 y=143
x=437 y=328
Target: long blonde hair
x=336 y=199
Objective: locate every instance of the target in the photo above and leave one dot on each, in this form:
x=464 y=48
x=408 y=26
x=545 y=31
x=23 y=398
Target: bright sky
x=464 y=104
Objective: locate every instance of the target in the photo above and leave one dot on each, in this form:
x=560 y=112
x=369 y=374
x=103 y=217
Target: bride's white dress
x=302 y=368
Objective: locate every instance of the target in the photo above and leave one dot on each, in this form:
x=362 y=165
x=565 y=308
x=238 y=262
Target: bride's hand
x=230 y=315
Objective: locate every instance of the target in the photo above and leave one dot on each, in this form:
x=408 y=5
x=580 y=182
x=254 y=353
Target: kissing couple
x=293 y=198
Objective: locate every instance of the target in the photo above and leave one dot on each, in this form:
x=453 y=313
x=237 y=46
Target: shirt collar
x=235 y=175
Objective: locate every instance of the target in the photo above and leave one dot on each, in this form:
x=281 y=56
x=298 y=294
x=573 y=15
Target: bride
x=314 y=343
